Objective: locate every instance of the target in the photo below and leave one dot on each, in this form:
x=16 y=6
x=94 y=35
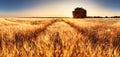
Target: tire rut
x=57 y=38
x=33 y=34
x=78 y=29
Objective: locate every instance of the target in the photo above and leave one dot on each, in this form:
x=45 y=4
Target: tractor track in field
x=54 y=21
x=58 y=34
x=36 y=33
x=78 y=29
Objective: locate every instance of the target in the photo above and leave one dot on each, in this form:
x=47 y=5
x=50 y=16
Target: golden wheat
x=59 y=37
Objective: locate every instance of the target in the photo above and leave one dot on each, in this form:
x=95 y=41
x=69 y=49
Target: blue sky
x=111 y=4
x=58 y=8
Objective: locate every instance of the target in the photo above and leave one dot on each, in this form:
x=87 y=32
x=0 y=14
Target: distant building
x=79 y=13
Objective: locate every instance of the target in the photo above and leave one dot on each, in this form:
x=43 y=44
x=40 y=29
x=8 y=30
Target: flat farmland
x=59 y=37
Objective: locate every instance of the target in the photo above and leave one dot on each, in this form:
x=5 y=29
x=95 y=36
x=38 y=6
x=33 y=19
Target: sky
x=58 y=8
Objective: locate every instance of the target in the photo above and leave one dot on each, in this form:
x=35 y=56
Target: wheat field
x=59 y=37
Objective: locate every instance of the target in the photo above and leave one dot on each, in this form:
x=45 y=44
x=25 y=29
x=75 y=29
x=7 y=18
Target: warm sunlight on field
x=59 y=37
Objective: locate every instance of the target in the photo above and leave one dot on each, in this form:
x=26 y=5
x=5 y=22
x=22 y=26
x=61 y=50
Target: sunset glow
x=62 y=8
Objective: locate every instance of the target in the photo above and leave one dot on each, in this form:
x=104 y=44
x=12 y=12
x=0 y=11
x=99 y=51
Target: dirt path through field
x=57 y=37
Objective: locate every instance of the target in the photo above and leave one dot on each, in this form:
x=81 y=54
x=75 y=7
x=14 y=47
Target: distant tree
x=79 y=13
x=106 y=16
